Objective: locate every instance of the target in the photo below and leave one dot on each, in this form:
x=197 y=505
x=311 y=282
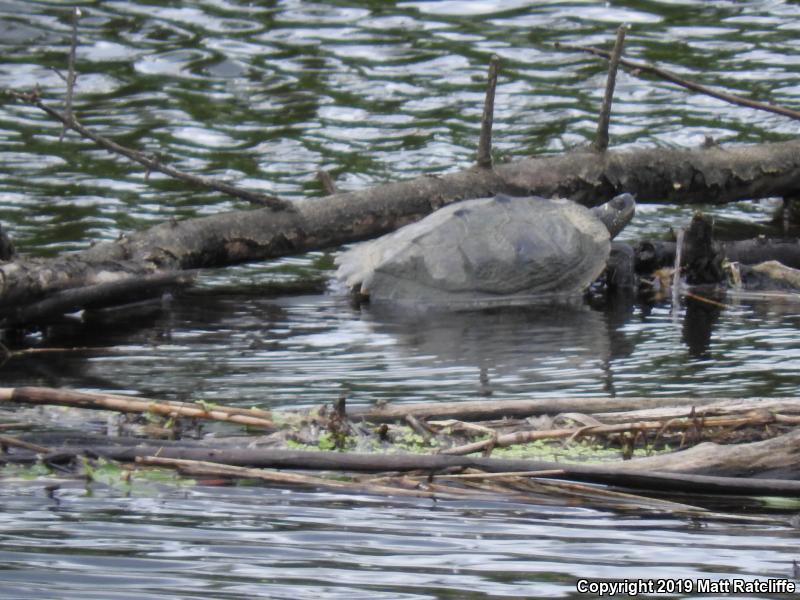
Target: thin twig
x=485 y=475
x=707 y=300
x=152 y=164
x=72 y=75
x=14 y=425
x=691 y=85
x=69 y=121
x=484 y=159
x=601 y=139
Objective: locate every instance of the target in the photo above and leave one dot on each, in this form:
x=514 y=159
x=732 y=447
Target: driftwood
x=748 y=468
x=636 y=408
x=191 y=467
x=756 y=418
x=610 y=410
x=700 y=415
x=525 y=486
x=779 y=456
x=624 y=476
x=36 y=396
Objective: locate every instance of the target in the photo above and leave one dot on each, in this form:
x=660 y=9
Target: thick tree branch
x=709 y=175
x=630 y=474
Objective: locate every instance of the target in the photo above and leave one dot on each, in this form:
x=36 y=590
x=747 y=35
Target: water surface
x=264 y=95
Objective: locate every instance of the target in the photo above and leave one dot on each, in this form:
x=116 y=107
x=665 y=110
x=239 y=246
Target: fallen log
x=710 y=175
x=609 y=408
x=624 y=476
x=41 y=395
x=771 y=458
x=704 y=408
x=516 y=487
x=755 y=418
x=775 y=457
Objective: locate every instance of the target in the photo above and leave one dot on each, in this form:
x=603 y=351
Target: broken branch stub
x=484 y=159
x=601 y=138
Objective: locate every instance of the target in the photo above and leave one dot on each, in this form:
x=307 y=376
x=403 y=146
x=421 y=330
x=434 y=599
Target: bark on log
x=708 y=175
x=775 y=457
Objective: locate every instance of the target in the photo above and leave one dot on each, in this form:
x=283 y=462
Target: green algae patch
x=25 y=472
x=581 y=451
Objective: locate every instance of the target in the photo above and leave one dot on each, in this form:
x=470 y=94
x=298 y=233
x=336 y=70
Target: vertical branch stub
x=71 y=73
x=601 y=139
x=484 y=159
x=328 y=185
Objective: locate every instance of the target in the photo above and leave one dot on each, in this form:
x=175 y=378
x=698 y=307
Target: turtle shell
x=485 y=249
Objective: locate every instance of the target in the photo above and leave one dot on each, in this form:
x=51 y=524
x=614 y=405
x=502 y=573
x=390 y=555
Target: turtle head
x=616 y=213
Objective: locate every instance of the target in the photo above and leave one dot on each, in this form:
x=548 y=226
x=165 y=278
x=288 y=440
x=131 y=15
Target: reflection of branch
x=151 y=163
x=691 y=85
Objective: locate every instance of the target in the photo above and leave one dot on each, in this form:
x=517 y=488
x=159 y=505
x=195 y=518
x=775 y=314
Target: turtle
x=488 y=251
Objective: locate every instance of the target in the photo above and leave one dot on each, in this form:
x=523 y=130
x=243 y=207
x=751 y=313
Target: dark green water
x=266 y=93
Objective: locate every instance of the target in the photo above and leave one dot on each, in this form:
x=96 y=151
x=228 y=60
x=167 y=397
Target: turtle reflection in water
x=488 y=252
